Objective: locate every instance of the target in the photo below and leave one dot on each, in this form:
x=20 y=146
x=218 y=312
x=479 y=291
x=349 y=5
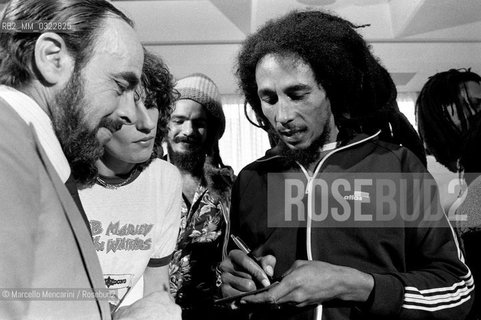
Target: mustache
x=190 y=140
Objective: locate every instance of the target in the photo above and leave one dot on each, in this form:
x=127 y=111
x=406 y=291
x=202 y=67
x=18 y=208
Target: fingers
x=235 y=279
x=287 y=291
x=250 y=266
x=268 y=263
x=227 y=266
x=266 y=297
x=237 y=283
x=240 y=273
x=272 y=296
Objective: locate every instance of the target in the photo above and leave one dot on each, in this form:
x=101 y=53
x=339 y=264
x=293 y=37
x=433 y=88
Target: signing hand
x=240 y=273
x=314 y=282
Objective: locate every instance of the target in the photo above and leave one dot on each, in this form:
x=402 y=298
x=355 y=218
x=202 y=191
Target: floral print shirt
x=199 y=250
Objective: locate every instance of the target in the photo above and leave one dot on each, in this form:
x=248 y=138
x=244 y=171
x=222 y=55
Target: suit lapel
x=79 y=230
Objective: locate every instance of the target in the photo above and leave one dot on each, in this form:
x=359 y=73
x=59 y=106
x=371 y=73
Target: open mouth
x=292 y=136
x=291 y=133
x=288 y=133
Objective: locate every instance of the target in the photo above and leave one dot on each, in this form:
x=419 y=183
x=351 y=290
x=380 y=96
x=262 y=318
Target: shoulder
x=271 y=162
x=251 y=170
x=19 y=163
x=383 y=147
x=165 y=171
x=409 y=160
x=254 y=176
x=13 y=130
x=17 y=143
x=394 y=155
x=166 y=167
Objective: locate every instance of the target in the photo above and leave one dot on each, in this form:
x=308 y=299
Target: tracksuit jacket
x=418 y=269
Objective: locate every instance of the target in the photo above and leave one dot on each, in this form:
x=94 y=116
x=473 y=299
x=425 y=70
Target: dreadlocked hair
x=361 y=92
x=219 y=177
x=441 y=136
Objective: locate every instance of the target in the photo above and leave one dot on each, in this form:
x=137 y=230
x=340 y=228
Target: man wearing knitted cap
x=197 y=123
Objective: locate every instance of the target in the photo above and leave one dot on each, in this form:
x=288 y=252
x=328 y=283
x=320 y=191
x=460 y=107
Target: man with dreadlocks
x=311 y=79
x=447 y=110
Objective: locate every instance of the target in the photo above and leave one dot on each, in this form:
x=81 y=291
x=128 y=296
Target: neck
x=187 y=176
x=111 y=167
x=329 y=145
x=194 y=174
x=39 y=93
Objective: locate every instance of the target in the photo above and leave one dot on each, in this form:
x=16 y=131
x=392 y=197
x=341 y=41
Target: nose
x=187 y=128
x=144 y=121
x=284 y=112
x=127 y=110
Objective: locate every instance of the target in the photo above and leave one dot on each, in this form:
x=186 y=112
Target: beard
x=309 y=155
x=190 y=161
x=79 y=143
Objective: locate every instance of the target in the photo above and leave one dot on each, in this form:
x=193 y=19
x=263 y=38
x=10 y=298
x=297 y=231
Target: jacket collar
x=35 y=116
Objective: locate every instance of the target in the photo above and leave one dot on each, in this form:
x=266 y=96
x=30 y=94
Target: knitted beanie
x=201 y=89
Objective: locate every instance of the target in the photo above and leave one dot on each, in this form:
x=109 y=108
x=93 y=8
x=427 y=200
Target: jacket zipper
x=310 y=179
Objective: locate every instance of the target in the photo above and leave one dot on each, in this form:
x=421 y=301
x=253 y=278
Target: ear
x=52 y=59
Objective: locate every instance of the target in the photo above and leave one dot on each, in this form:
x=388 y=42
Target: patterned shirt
x=199 y=249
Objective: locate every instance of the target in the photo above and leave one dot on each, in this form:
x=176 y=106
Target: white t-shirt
x=135 y=225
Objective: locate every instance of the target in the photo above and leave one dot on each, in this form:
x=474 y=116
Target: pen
x=242 y=246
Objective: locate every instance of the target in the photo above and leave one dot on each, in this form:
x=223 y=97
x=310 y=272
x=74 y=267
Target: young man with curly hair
x=313 y=209
x=134 y=206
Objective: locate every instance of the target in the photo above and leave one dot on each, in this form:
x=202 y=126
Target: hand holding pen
x=244 y=248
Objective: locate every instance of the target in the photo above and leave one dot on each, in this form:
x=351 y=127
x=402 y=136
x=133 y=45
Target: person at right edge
x=468 y=224
x=447 y=112
x=311 y=78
